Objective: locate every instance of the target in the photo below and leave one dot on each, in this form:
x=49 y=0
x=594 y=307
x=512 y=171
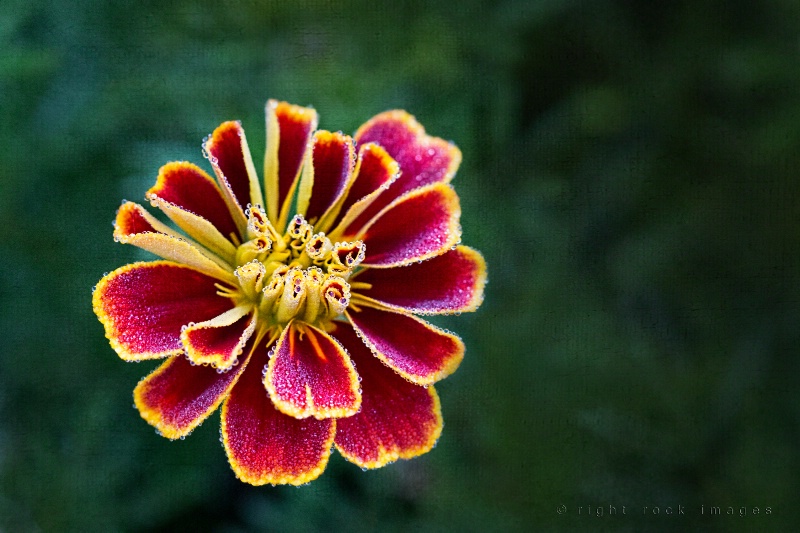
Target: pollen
x=300 y=275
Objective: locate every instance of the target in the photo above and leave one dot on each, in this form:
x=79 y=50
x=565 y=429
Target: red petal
x=310 y=374
x=190 y=188
x=423 y=159
x=144 y=305
x=264 y=445
x=131 y=220
x=374 y=172
x=177 y=396
x=415 y=349
x=376 y=169
x=397 y=420
x=449 y=283
x=419 y=225
x=134 y=225
x=289 y=129
x=230 y=157
x=333 y=157
x=219 y=341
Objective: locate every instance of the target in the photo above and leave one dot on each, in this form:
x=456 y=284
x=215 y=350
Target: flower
x=294 y=307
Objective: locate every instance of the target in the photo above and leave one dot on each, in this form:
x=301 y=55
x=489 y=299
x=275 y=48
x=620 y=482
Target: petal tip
x=219 y=342
x=481 y=278
x=99 y=306
x=274 y=470
x=387 y=455
x=295 y=384
x=408 y=360
x=436 y=204
x=153 y=416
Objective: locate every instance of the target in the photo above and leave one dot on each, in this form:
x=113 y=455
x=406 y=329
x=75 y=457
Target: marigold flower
x=293 y=306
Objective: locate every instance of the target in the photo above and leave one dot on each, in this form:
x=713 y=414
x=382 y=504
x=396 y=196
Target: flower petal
x=419 y=225
x=178 y=396
x=449 y=283
x=418 y=351
x=190 y=188
x=133 y=219
x=199 y=229
x=266 y=446
x=144 y=305
x=310 y=374
x=219 y=341
x=230 y=157
x=289 y=129
x=375 y=172
x=326 y=174
x=134 y=225
x=397 y=420
x=423 y=159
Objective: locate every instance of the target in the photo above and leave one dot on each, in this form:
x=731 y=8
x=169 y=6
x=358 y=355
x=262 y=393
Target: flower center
x=299 y=275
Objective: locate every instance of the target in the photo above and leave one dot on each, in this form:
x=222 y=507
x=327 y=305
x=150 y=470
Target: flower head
x=293 y=305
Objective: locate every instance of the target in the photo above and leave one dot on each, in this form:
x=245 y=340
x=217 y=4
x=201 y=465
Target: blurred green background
x=630 y=174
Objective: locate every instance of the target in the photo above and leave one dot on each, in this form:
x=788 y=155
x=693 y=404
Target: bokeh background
x=630 y=173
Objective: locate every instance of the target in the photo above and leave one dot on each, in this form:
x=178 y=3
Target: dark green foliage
x=630 y=173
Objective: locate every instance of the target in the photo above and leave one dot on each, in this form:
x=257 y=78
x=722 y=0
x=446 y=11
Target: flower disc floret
x=300 y=275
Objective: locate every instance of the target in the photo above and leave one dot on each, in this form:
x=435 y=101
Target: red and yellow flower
x=294 y=305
